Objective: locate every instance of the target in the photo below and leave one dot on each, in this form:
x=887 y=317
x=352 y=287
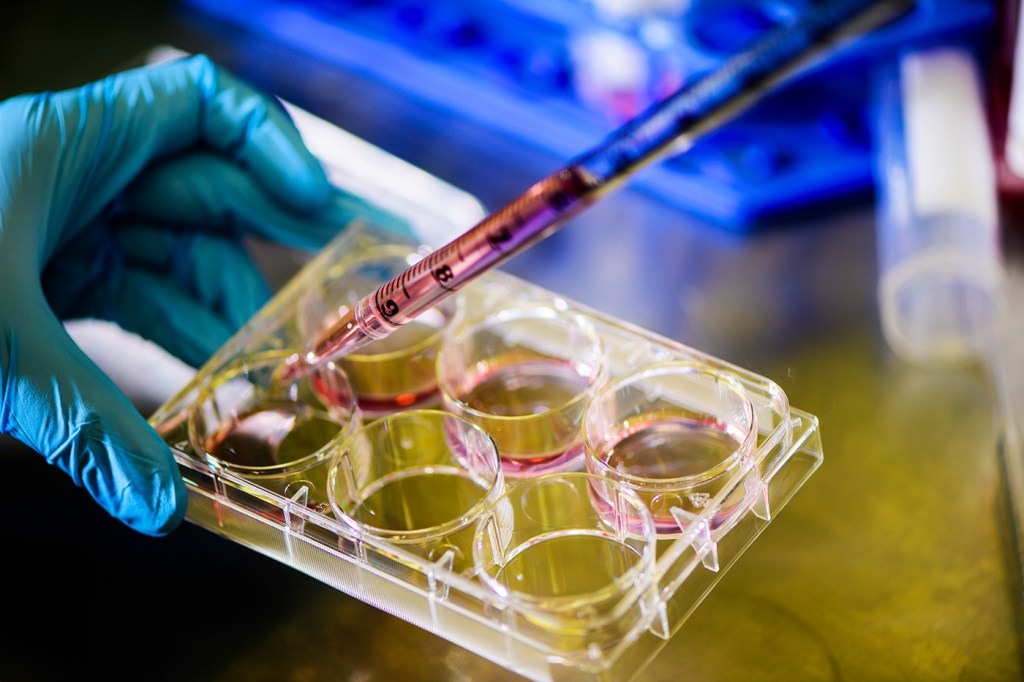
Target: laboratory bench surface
x=895 y=561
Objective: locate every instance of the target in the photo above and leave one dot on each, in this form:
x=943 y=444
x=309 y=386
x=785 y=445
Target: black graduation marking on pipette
x=559 y=200
x=386 y=305
x=443 y=273
x=503 y=234
x=440 y=270
x=388 y=308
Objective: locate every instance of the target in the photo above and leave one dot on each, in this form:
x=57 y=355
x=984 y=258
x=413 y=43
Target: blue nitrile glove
x=126 y=200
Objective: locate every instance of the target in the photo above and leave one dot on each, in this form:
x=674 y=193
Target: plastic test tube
x=940 y=290
x=1014 y=150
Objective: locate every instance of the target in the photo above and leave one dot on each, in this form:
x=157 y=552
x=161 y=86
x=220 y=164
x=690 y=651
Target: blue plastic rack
x=526 y=68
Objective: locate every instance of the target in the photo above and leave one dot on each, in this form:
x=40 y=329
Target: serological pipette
x=668 y=127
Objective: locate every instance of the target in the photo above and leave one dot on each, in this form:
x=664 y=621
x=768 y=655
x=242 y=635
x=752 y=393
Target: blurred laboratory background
x=789 y=243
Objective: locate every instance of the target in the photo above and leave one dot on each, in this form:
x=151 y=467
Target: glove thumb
x=56 y=401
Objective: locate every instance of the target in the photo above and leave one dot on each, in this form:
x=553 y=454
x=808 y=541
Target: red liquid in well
x=671 y=449
x=273 y=435
x=403 y=401
x=529 y=387
x=397 y=372
x=535 y=386
x=260 y=443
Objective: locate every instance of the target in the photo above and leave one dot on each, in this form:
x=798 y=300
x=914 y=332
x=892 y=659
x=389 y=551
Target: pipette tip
x=341 y=339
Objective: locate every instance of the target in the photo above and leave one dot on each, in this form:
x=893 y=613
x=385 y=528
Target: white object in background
x=941 y=270
x=146 y=373
x=608 y=65
x=639 y=8
x=1014 y=152
x=948 y=148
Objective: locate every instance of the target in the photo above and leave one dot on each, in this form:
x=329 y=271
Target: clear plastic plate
x=459 y=606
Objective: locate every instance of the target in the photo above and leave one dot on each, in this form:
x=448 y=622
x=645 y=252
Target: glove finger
x=56 y=401
x=192 y=101
x=77 y=268
x=216 y=270
x=119 y=125
x=161 y=310
x=203 y=189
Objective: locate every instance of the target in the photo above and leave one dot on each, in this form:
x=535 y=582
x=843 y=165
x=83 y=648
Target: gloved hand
x=126 y=200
